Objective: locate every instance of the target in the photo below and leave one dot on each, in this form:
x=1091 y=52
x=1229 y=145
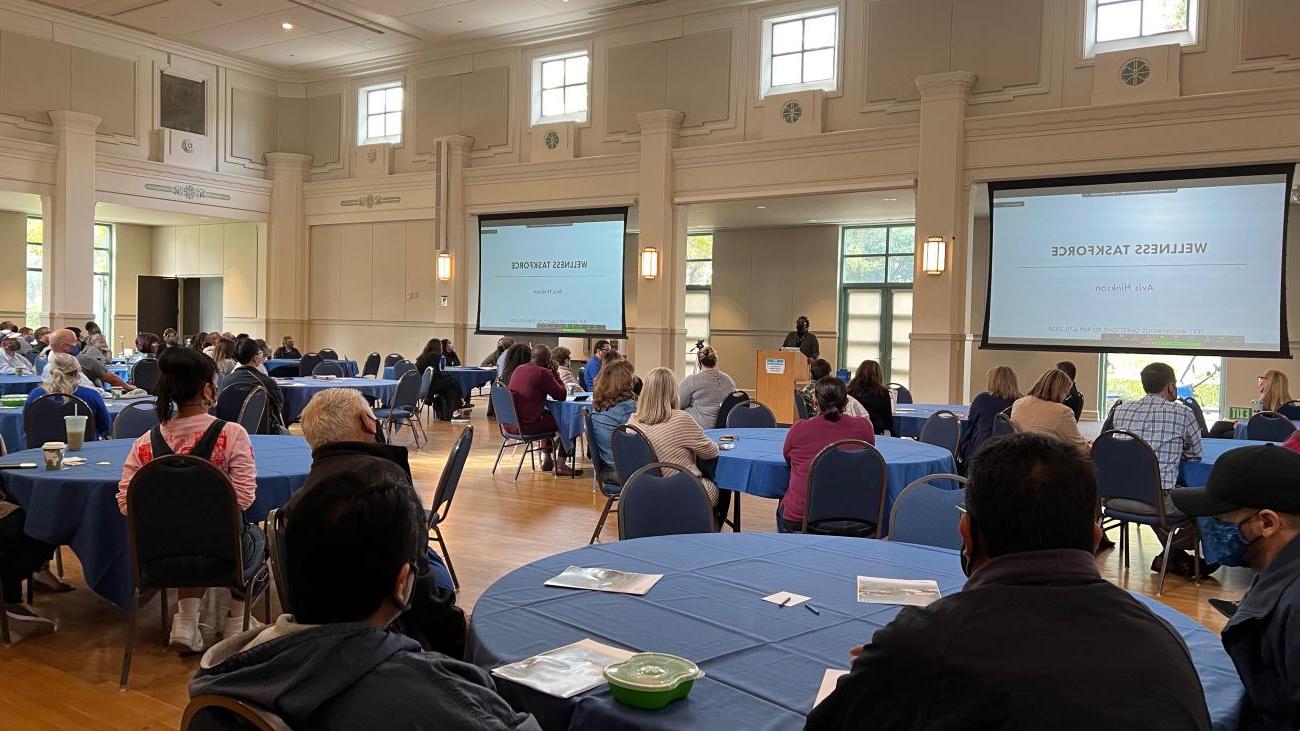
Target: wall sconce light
x=444 y=266
x=649 y=262
x=934 y=255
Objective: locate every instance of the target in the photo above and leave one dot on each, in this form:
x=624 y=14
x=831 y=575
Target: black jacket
x=1074 y=400
x=979 y=420
x=274 y=415
x=1034 y=640
x=879 y=407
x=807 y=345
x=283 y=353
x=1263 y=640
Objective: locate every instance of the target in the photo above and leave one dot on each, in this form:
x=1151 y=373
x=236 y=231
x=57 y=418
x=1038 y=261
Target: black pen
x=810 y=608
x=784 y=602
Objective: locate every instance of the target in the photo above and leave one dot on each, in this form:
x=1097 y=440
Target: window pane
x=864 y=240
x=787 y=37
x=819 y=32
x=552 y=74
x=902 y=239
x=575 y=70
x=864 y=269
x=35 y=256
x=553 y=102
x=103 y=236
x=697 y=302
x=97 y=298
x=375 y=101
x=393 y=99
x=699 y=247
x=1120 y=20
x=575 y=99
x=34 y=299
x=862 y=326
x=900 y=338
x=787 y=69
x=375 y=126
x=1163 y=16
x=819 y=65
x=699 y=273
x=35 y=231
x=393 y=124
x=101 y=261
x=901 y=268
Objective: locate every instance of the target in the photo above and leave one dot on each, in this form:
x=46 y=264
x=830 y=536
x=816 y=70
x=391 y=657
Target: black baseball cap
x=1265 y=476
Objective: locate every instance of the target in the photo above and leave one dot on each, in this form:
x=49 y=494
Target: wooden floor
x=68 y=680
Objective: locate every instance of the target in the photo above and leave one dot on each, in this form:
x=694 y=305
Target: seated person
x=561 y=357
x=530 y=384
x=223 y=354
x=287 y=351
x=1045 y=412
x=22 y=556
x=819 y=369
x=1036 y=637
x=596 y=362
x=807 y=438
x=342 y=432
x=613 y=403
x=701 y=394
x=1073 y=399
x=1251 y=494
x=449 y=352
x=1001 y=392
x=675 y=437
x=146 y=346
x=250 y=372
x=493 y=359
x=63 y=375
x=187 y=388
x=1275 y=395
x=97 y=347
x=12 y=362
x=351 y=546
x=868 y=387
x=170 y=339
x=92 y=371
x=444 y=394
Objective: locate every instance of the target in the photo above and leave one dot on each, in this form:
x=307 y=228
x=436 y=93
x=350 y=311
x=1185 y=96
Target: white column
x=452 y=161
x=287 y=248
x=942 y=200
x=659 y=309
x=70 y=222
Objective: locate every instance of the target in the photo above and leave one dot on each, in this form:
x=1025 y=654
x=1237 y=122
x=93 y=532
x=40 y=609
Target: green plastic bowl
x=651 y=680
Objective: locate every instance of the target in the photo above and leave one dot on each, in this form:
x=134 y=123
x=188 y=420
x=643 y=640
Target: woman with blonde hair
x=1275 y=394
x=1000 y=393
x=64 y=376
x=614 y=402
x=701 y=394
x=675 y=437
x=1044 y=410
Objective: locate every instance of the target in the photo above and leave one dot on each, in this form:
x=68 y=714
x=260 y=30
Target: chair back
x=942 y=429
x=729 y=403
x=426 y=379
x=847 y=484
x=504 y=407
x=1127 y=468
x=1267 y=426
x=221 y=713
x=1002 y=424
x=307 y=365
x=751 y=415
x=1191 y=403
x=801 y=409
x=230 y=401
x=392 y=359
x=328 y=368
x=134 y=420
x=598 y=465
x=275 y=525
x=184 y=537
x=903 y=396
x=401 y=368
x=925 y=513
x=1109 y=423
x=1290 y=410
x=328 y=354
x=662 y=499
x=371 y=367
x=252 y=411
x=450 y=478
x=144 y=374
x=407 y=395
x=632 y=451
x=43 y=418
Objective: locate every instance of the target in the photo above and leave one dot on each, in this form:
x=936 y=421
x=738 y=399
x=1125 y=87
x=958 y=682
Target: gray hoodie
x=354 y=676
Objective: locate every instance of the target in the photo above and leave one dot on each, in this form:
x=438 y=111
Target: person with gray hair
x=97 y=347
x=12 y=362
x=63 y=375
x=92 y=371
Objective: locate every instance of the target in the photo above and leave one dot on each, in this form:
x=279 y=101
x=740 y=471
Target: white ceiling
x=812 y=210
x=114 y=213
x=330 y=32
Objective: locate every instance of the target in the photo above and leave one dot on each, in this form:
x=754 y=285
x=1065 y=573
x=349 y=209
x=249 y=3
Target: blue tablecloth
x=298 y=391
x=470 y=378
x=288 y=367
x=77 y=506
x=756 y=465
x=763 y=664
x=11 y=420
x=909 y=418
x=1194 y=474
x=121 y=371
x=1239 y=428
x=568 y=415
x=23 y=385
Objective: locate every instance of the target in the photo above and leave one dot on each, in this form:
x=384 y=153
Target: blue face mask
x=76 y=350
x=1223 y=542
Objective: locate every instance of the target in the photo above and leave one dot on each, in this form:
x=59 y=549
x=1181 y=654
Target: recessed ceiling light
x=287 y=25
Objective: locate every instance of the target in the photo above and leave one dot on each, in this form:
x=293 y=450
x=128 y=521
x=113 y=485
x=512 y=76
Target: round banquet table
x=298 y=391
x=467 y=377
x=568 y=416
x=909 y=418
x=288 y=367
x=763 y=664
x=757 y=466
x=21 y=385
x=77 y=506
x=1194 y=474
x=11 y=419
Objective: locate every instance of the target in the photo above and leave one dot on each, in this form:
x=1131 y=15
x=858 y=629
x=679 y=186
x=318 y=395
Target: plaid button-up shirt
x=1168 y=426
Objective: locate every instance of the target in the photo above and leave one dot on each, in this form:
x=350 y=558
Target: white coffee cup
x=53 y=455
x=76 y=427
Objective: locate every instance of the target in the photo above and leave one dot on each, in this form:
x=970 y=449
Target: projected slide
x=1192 y=263
x=554 y=273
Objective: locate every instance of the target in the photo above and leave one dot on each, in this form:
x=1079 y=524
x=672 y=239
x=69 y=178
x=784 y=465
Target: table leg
x=735 y=514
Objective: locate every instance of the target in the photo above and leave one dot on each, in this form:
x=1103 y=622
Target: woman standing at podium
x=803 y=339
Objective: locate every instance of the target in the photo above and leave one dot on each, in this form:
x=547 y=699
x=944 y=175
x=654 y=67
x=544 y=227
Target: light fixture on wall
x=934 y=255
x=650 y=262
x=444 y=266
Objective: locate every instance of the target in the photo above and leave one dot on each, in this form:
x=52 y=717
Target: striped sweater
x=681 y=441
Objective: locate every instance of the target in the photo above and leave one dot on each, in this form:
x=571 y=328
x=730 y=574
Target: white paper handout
x=916 y=593
x=565 y=671
x=786 y=599
x=597 y=579
x=829 y=679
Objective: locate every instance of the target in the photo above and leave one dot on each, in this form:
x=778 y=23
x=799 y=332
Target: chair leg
x=1128 y=543
x=4 y=617
x=1164 y=563
x=129 y=648
x=58 y=561
x=500 y=452
x=600 y=524
x=437 y=533
x=248 y=609
x=528 y=450
x=166 y=630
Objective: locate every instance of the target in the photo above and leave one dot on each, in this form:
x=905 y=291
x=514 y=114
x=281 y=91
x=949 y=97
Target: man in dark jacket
x=352 y=544
x=287 y=351
x=1073 y=399
x=1036 y=638
x=249 y=356
x=1252 y=491
x=341 y=429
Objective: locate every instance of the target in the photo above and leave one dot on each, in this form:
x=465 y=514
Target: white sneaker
x=27 y=621
x=235 y=625
x=186 y=637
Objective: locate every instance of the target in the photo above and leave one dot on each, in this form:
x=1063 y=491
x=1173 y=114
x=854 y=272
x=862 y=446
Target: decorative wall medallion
x=188 y=192
x=371 y=156
x=552 y=140
x=1135 y=72
x=187 y=146
x=370 y=201
x=791 y=112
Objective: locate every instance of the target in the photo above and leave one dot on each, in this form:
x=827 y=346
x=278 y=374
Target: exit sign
x=1240 y=412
